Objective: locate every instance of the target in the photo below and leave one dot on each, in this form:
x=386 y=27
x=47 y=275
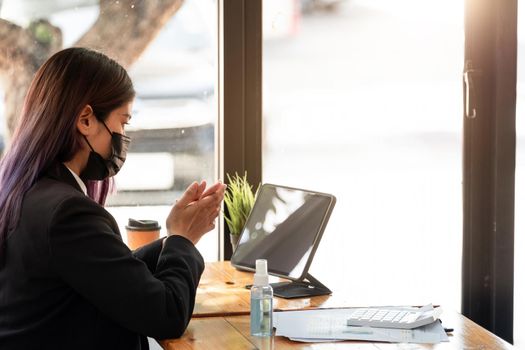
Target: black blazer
x=71 y=283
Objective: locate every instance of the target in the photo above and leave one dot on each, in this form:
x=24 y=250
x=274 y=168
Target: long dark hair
x=46 y=131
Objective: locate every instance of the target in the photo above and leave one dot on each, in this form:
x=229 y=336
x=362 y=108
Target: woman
x=67 y=281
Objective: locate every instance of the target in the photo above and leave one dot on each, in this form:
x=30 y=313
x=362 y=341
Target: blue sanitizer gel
x=261 y=302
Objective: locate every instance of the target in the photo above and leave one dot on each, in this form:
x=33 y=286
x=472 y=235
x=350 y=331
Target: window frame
x=489 y=154
x=239 y=132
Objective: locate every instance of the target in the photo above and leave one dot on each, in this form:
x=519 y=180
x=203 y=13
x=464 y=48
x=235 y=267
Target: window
x=363 y=100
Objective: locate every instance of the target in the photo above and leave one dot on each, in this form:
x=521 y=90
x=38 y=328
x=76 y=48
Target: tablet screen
x=284 y=227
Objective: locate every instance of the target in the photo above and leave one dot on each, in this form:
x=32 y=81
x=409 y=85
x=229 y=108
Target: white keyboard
x=401 y=318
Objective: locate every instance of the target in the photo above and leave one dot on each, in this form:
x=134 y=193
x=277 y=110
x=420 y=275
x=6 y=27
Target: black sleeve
x=91 y=258
x=149 y=254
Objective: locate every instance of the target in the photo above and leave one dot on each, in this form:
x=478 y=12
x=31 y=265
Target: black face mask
x=97 y=167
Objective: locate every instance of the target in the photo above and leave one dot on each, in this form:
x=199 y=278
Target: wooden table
x=221 y=320
x=222 y=292
x=233 y=332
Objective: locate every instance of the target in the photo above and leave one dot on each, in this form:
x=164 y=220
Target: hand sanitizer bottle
x=261 y=302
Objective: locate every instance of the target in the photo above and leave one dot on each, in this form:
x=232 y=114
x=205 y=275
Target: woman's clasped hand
x=195 y=212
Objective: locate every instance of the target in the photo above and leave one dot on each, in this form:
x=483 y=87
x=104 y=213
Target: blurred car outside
x=172 y=128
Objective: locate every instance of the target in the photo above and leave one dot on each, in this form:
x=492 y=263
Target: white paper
x=330 y=325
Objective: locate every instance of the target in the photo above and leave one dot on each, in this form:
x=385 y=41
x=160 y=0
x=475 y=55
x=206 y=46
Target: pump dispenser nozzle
x=261 y=273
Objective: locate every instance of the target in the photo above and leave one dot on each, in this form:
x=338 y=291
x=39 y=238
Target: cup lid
x=142 y=225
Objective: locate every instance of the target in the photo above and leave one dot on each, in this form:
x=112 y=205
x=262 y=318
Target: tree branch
x=14 y=41
x=30 y=46
x=139 y=22
x=22 y=52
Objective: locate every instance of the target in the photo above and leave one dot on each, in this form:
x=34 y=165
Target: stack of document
x=330 y=325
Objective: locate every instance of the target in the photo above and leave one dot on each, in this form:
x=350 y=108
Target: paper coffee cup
x=142 y=232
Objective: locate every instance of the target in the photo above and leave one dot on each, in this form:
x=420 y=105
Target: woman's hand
x=195 y=212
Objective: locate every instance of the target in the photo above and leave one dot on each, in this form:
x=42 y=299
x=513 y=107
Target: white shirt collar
x=79 y=181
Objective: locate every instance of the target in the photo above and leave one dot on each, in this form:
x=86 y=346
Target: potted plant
x=239 y=199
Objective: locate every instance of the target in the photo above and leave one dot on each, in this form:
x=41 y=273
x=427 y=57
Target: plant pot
x=234 y=239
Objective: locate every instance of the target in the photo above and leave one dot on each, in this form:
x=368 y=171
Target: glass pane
x=174 y=114
x=363 y=100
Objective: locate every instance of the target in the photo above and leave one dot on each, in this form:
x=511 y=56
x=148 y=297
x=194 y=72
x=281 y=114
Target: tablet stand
x=309 y=287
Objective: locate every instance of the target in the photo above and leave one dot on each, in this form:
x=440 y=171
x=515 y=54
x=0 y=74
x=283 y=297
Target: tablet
x=284 y=227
